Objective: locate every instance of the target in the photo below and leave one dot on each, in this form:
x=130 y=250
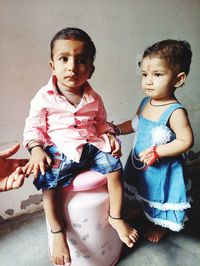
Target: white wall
x=120 y=29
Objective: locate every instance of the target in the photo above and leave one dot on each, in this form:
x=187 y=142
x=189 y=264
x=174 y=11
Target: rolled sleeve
x=35 y=124
x=102 y=125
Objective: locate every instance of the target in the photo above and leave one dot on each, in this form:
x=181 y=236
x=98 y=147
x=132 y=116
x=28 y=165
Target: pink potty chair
x=91 y=239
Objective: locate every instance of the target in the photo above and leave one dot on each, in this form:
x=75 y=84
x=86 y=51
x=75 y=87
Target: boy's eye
x=63 y=59
x=81 y=60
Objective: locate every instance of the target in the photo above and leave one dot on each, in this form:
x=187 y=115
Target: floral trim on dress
x=160 y=135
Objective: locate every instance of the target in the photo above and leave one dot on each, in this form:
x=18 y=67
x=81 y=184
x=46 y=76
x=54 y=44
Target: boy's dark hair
x=74 y=34
x=177 y=53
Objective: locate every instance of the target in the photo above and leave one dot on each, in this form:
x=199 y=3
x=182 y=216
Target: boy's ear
x=180 y=79
x=91 y=71
x=52 y=66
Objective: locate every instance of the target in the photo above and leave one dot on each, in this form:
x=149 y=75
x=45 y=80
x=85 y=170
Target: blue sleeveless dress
x=162 y=188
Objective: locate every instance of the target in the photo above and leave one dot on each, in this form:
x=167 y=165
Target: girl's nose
x=149 y=80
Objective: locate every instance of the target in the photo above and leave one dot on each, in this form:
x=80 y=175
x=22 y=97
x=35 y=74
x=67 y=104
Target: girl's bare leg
x=126 y=233
x=52 y=205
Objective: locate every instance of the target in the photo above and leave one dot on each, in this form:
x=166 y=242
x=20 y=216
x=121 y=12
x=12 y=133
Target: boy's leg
x=52 y=205
x=127 y=234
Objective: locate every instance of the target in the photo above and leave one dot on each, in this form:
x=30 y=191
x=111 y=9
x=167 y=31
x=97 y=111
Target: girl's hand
x=149 y=156
x=115 y=147
x=39 y=161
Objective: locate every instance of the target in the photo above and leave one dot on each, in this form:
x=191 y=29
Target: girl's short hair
x=177 y=53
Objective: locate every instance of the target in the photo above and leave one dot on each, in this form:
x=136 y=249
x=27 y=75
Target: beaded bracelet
x=153 y=155
x=117 y=129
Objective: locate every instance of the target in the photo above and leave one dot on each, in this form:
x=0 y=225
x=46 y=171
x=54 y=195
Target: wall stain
x=33 y=199
x=10 y=212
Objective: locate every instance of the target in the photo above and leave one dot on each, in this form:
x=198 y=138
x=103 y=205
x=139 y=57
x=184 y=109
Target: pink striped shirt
x=53 y=120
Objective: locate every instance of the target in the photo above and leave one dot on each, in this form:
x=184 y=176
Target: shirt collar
x=52 y=85
x=89 y=94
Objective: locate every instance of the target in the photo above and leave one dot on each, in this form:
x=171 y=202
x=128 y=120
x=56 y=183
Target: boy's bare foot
x=156 y=233
x=127 y=234
x=60 y=250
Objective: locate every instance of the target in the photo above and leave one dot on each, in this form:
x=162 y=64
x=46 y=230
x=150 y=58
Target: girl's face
x=71 y=64
x=158 y=80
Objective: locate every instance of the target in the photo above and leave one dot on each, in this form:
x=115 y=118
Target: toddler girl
x=155 y=171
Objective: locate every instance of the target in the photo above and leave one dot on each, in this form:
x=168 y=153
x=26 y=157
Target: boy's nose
x=71 y=65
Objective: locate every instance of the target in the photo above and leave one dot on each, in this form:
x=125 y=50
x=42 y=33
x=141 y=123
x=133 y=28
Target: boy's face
x=158 y=80
x=71 y=64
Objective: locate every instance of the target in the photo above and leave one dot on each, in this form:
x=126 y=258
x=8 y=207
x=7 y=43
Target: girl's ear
x=180 y=79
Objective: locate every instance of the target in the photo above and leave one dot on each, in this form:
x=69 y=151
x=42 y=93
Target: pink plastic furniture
x=91 y=239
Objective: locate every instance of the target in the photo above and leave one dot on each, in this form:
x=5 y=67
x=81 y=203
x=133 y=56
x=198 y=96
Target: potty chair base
x=92 y=240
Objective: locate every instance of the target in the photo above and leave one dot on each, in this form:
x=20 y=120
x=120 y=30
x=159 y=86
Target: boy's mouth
x=72 y=77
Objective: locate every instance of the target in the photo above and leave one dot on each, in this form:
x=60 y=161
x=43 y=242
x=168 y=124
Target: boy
x=67 y=131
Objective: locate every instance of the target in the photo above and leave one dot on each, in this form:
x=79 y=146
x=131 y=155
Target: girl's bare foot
x=127 y=234
x=156 y=233
x=60 y=250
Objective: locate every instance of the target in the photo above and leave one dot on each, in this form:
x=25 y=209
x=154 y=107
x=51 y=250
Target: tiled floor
x=23 y=242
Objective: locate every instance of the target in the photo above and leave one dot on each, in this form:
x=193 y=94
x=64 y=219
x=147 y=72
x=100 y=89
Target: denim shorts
x=63 y=170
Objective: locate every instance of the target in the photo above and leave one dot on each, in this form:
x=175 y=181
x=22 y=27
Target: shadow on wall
x=193 y=166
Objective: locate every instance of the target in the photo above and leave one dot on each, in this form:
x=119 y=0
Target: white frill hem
x=166 y=224
x=161 y=206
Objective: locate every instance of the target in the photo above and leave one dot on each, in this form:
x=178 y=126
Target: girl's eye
x=144 y=74
x=158 y=74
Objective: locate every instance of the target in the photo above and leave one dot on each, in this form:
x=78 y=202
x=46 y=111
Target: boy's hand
x=39 y=161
